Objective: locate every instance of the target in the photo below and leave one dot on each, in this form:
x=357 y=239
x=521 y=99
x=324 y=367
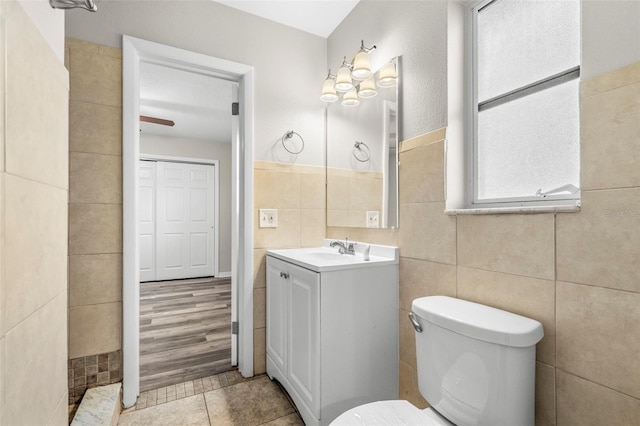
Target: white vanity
x=332 y=327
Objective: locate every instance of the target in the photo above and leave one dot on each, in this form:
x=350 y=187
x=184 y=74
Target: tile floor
x=224 y=399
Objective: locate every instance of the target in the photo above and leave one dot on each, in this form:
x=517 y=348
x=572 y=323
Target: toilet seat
x=395 y=412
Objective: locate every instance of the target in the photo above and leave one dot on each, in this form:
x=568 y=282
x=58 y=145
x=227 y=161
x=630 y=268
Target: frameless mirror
x=362 y=159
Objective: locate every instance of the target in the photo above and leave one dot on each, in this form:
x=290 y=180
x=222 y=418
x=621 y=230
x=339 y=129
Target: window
x=525 y=110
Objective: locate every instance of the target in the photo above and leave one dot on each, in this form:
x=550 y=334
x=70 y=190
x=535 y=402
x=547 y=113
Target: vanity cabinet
x=332 y=336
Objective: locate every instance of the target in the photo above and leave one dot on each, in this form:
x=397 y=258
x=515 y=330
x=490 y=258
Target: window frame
x=551 y=202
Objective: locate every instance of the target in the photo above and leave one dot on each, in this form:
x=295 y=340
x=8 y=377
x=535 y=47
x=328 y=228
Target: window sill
x=515 y=209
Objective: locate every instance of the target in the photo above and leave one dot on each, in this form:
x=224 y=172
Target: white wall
x=197 y=148
x=610 y=35
x=49 y=21
x=417 y=30
x=290 y=65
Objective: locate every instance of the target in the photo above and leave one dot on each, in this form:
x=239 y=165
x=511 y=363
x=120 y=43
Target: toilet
x=476 y=366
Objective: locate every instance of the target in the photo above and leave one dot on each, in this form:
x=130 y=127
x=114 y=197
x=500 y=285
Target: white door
x=147 y=219
x=185 y=221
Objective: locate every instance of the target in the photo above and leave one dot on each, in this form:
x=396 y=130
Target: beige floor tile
x=185 y=412
x=253 y=402
x=290 y=420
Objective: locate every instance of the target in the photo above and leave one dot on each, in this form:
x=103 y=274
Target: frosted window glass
x=530 y=143
x=522 y=41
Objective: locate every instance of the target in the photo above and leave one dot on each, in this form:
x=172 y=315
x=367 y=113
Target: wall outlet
x=373 y=219
x=268 y=218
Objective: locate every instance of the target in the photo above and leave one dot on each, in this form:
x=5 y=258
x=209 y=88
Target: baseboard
x=224 y=275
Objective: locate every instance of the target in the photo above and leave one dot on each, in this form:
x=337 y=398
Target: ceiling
x=319 y=17
x=200 y=105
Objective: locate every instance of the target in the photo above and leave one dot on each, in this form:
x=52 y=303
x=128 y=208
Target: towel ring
x=364 y=155
x=289 y=135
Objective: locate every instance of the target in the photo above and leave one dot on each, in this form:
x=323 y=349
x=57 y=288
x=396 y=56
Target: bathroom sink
x=327 y=258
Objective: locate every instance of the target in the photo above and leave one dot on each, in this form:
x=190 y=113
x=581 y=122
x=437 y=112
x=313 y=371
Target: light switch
x=373 y=219
x=268 y=218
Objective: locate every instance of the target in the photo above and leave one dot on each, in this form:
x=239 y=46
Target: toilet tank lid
x=479 y=321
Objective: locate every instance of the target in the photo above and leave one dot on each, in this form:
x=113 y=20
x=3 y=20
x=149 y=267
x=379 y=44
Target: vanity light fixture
x=388 y=76
x=328 y=89
x=358 y=69
x=361 y=65
x=344 y=83
x=72 y=4
x=351 y=98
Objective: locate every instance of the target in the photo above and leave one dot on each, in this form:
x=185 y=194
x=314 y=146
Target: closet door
x=185 y=220
x=147 y=219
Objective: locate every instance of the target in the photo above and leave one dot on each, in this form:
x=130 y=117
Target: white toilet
x=476 y=366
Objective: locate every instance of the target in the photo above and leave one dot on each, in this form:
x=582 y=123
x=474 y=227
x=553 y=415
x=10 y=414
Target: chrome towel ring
x=360 y=154
x=289 y=135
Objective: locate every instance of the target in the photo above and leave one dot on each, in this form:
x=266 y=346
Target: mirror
x=362 y=160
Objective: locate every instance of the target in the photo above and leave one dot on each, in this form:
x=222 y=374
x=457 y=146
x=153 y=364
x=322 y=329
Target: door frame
x=216 y=196
x=134 y=52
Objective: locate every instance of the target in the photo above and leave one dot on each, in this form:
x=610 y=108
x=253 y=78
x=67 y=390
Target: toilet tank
x=476 y=364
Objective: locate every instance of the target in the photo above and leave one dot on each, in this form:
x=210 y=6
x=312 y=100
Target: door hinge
x=234 y=327
x=235 y=108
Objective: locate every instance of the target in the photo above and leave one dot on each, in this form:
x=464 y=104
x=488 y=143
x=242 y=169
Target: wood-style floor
x=185 y=330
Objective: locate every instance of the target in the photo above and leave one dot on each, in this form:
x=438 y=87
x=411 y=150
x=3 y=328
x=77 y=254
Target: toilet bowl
x=398 y=412
x=475 y=363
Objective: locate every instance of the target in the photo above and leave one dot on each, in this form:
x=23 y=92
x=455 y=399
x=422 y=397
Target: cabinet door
x=276 y=313
x=304 y=336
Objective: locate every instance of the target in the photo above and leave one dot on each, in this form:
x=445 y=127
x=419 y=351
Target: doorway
x=135 y=53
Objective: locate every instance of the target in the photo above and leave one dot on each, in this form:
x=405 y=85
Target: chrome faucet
x=344 y=248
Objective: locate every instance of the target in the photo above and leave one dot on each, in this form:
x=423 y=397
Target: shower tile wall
x=95 y=214
x=577 y=273
x=299 y=194
x=34 y=92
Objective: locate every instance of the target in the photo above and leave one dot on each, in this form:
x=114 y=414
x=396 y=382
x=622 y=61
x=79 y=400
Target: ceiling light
x=361 y=68
x=388 y=76
x=367 y=89
x=351 y=98
x=328 y=89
